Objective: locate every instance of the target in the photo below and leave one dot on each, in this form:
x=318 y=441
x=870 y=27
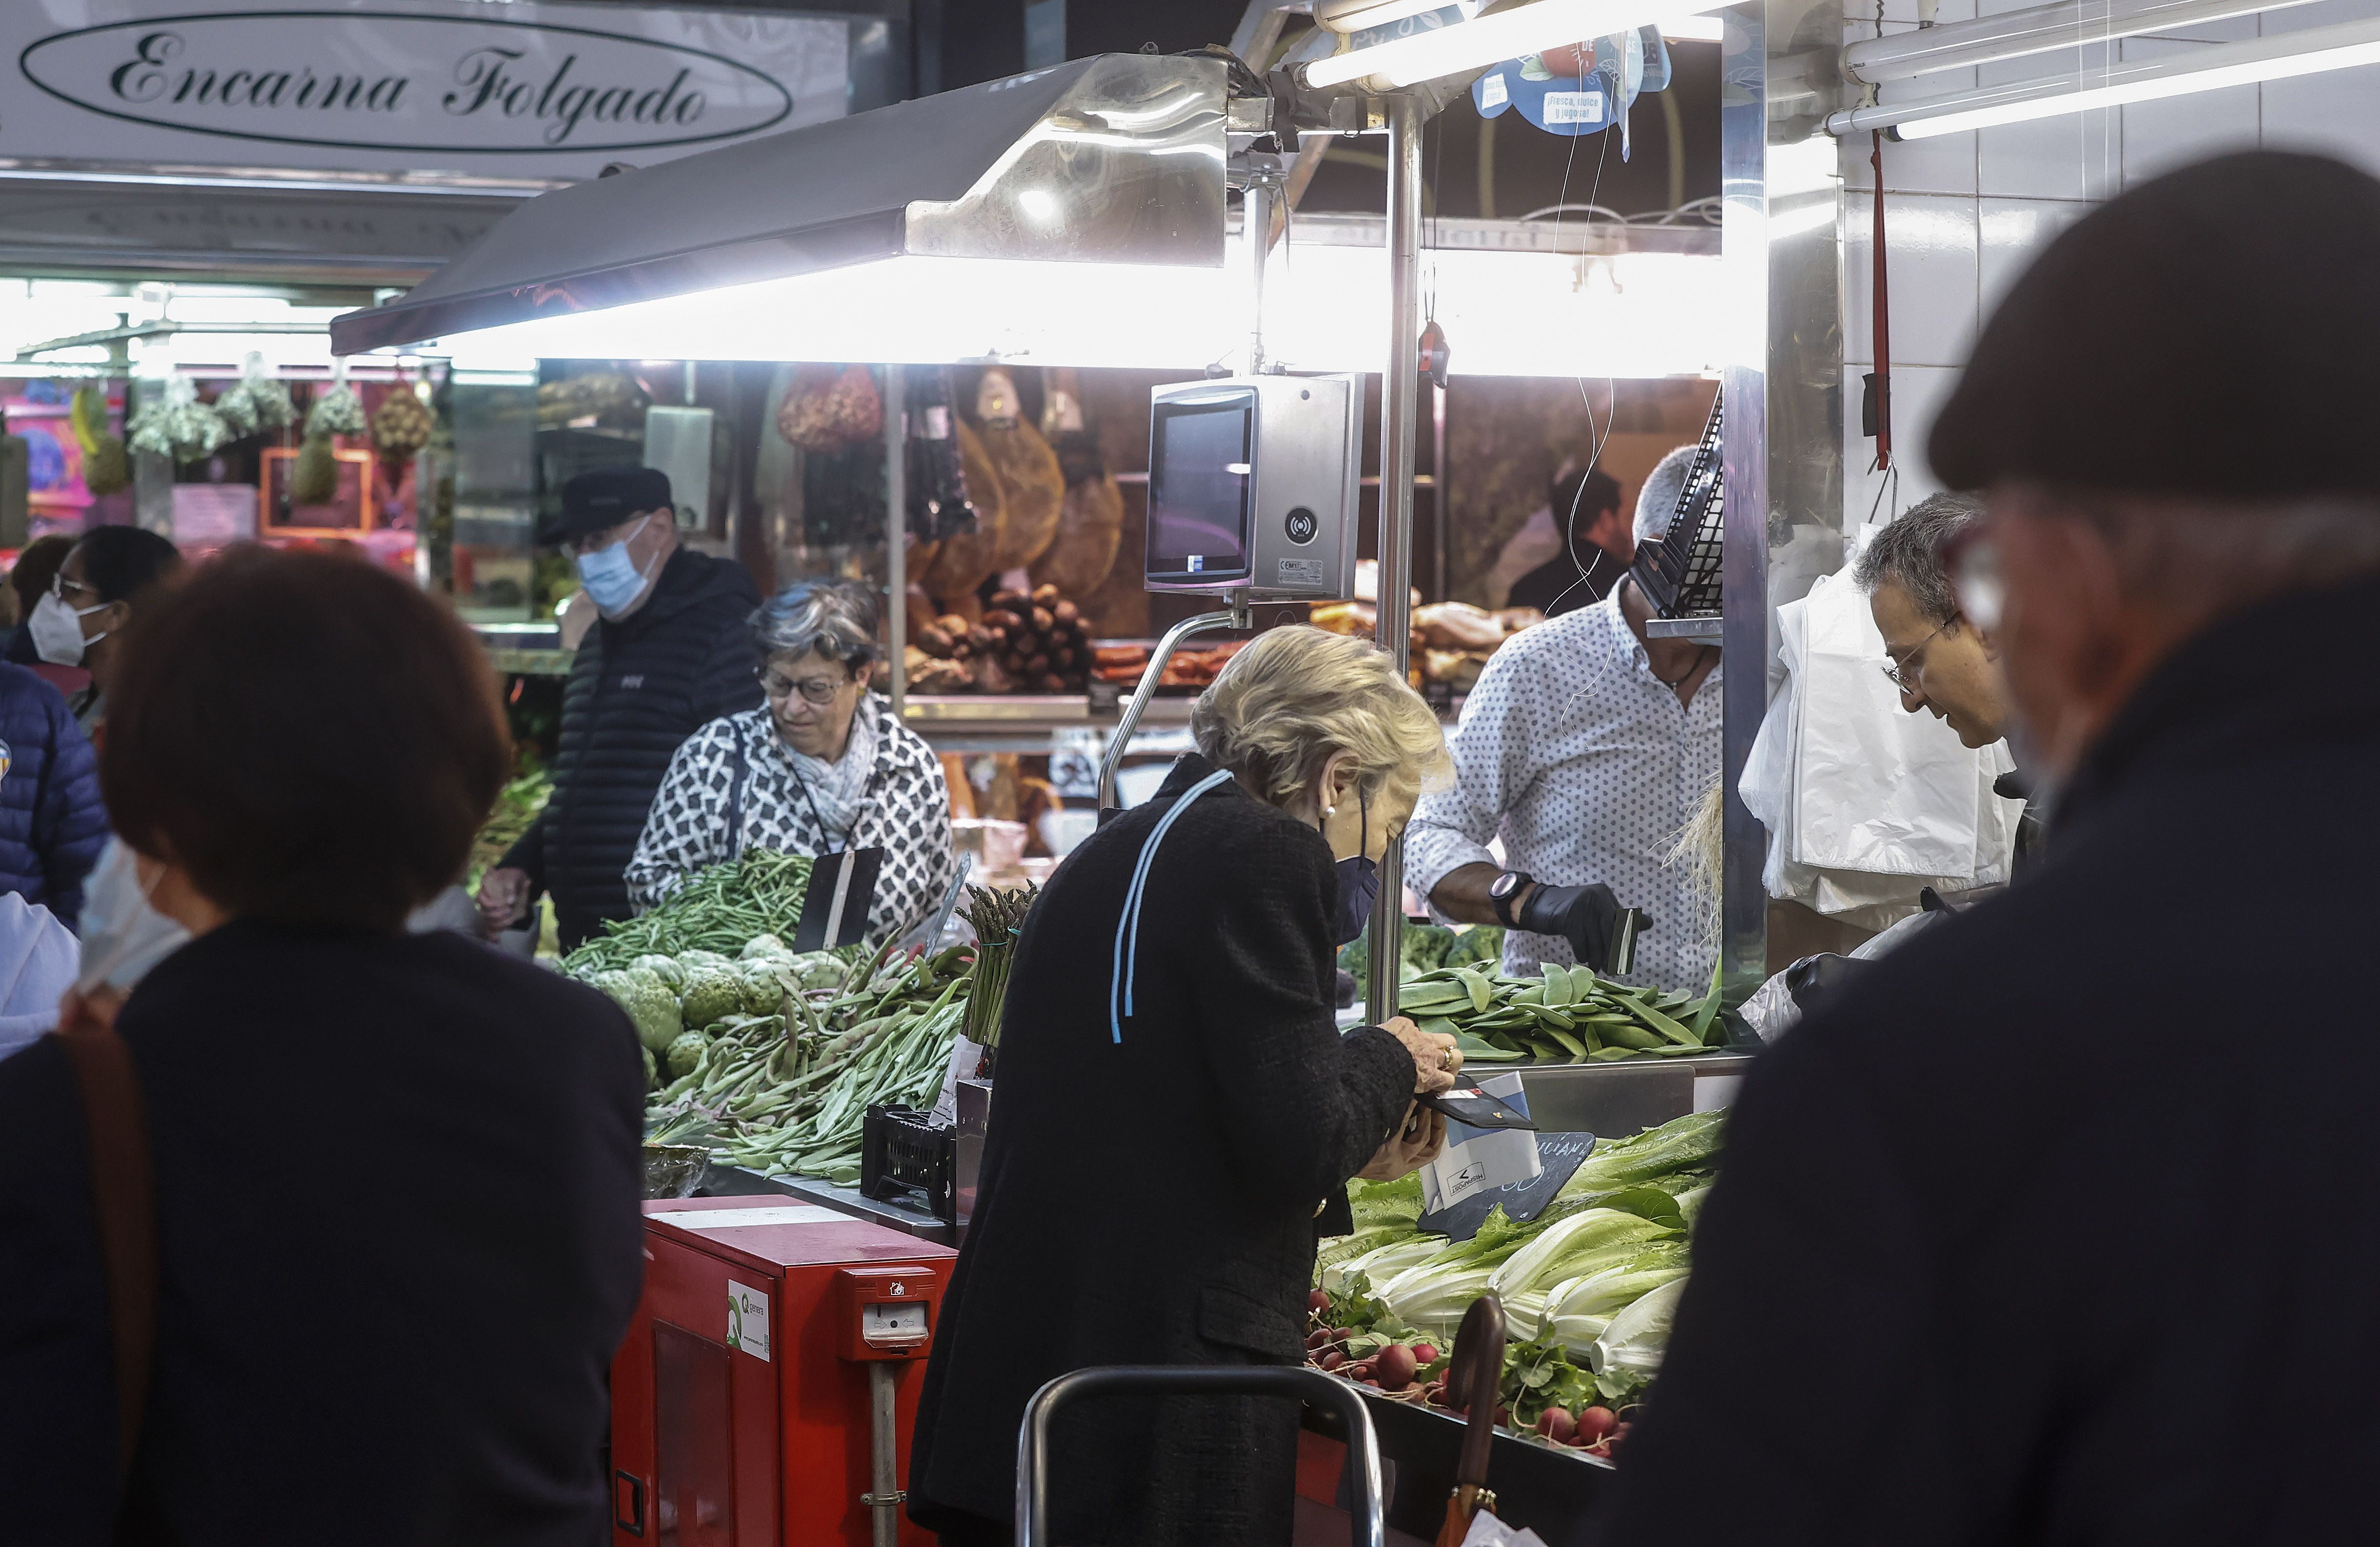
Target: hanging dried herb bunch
x=176 y=424
x=256 y=403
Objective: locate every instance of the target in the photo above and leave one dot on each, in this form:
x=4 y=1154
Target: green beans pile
x=718 y=910
x=1565 y=1014
x=786 y=1094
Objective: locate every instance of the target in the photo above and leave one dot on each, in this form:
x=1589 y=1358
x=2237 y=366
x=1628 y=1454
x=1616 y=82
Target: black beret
x=608 y=496
x=2215 y=332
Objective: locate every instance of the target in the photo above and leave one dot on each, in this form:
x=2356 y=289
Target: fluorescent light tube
x=2209 y=69
x=1490 y=39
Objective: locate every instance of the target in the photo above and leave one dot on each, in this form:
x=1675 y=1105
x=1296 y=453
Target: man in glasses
x=666 y=657
x=2108 y=1276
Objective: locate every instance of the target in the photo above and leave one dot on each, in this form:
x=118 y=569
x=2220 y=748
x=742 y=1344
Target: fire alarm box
x=744 y=1398
x=886 y=1313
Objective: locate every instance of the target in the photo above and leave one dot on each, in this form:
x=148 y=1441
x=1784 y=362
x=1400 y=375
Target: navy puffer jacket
x=636 y=689
x=52 y=824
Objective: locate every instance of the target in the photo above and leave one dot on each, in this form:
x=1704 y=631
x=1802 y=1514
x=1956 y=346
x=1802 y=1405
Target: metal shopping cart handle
x=1130 y=1380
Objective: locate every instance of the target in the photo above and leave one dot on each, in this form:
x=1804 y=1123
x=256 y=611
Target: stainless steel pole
x=884 y=1499
x=1399 y=382
x=1256 y=231
x=896 y=530
x=1111 y=759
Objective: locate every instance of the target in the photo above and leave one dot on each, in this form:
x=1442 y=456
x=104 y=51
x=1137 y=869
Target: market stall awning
x=1113 y=160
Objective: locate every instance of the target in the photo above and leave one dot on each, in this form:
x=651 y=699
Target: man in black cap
x=2057 y=1224
x=668 y=656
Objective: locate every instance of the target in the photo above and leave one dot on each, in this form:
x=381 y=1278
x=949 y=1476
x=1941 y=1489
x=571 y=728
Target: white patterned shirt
x=897 y=799
x=1587 y=767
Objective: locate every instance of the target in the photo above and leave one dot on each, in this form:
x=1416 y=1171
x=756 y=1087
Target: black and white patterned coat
x=905 y=811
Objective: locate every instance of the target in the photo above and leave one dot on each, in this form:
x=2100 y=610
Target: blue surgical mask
x=611 y=578
x=1359 y=880
x=1359 y=888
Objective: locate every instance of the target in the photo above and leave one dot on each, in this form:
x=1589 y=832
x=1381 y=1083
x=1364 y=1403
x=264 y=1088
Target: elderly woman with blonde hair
x=1177 y=1114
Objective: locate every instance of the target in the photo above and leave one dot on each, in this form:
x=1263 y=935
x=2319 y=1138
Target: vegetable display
x=785 y=1091
x=720 y=910
x=517 y=805
x=1426 y=947
x=1565 y=1014
x=1588 y=1288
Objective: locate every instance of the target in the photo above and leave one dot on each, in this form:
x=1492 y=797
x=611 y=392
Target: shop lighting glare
x=2210 y=69
x=1508 y=313
x=1360 y=16
x=1531 y=29
x=1695 y=28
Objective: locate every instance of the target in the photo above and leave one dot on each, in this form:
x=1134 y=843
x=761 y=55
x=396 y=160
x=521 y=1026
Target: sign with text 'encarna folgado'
x=516 y=90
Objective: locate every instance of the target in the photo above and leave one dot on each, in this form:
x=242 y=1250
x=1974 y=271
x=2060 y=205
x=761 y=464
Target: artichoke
x=710 y=994
x=686 y=1052
x=649 y=1003
x=664 y=968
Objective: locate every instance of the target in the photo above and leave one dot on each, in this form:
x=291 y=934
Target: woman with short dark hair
x=81 y=622
x=394 y=1236
x=821 y=767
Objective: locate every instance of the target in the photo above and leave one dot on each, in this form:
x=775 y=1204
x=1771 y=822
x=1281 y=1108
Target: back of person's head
x=1657 y=502
x=1908 y=554
x=313 y=739
x=1579 y=498
x=1292 y=697
x=120 y=562
x=36 y=570
x=834 y=617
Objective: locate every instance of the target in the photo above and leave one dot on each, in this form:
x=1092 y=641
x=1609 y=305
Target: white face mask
x=57 y=630
x=123 y=933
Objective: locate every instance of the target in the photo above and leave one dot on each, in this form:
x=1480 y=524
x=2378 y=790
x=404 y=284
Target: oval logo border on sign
x=784 y=107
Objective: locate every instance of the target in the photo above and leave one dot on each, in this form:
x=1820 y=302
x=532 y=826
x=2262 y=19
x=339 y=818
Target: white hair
x=1657 y=502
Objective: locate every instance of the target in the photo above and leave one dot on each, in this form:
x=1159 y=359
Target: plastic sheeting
x=1866 y=804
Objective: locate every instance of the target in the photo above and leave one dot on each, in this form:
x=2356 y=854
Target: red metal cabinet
x=739 y=1416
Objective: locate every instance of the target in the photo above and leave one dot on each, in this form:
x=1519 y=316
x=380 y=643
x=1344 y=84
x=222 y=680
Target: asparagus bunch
x=997 y=914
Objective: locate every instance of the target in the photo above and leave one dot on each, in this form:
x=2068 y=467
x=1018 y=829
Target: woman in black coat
x=394 y=1238
x=1176 y=1115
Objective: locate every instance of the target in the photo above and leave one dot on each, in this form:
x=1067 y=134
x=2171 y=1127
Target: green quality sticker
x=748 y=1320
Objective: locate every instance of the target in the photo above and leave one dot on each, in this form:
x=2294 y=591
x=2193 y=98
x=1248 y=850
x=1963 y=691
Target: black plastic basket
x=1679 y=571
x=903 y=1150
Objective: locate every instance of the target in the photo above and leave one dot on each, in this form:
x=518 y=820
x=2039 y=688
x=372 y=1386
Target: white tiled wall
x=1964 y=213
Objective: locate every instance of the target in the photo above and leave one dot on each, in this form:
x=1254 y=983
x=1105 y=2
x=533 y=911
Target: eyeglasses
x=813 y=689
x=1906 y=671
x=60 y=585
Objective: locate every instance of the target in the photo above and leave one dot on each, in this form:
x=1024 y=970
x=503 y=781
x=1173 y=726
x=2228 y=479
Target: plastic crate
x=903 y=1150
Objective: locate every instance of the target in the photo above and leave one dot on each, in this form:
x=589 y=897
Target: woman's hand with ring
x=1418 y=1140
x=1434 y=1057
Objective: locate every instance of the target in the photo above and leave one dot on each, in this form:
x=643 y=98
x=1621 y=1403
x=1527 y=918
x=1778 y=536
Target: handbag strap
x=123 y=1188
x=736 y=778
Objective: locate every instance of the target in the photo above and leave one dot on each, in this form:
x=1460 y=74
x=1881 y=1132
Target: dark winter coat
x=2057 y=1225
x=52 y=824
x=390 y=1292
x=1152 y=1199
x=637 y=689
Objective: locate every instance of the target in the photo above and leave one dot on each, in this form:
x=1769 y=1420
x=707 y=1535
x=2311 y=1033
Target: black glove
x=1814 y=981
x=1582 y=915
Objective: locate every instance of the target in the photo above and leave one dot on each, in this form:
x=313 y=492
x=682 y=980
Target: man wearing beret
x=2057 y=1224
x=666 y=656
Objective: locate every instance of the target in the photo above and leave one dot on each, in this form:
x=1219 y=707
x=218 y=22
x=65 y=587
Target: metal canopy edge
x=1116 y=158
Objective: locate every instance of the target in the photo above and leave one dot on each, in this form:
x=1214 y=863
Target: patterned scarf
x=838 y=787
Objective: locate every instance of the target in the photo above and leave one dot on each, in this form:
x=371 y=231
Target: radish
x=1396 y=1366
x=1555 y=1425
x=1316 y=1301
x=1594 y=1423
x=1334 y=1359
x=1424 y=1352
x=1504 y=1417
x=1318 y=1339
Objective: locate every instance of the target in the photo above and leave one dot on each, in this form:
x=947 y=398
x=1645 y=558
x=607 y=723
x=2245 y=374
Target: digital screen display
x=1199 y=482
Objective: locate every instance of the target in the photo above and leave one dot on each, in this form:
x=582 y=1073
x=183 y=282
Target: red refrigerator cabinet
x=775 y=1341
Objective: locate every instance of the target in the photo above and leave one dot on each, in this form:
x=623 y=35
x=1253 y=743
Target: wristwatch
x=1504 y=891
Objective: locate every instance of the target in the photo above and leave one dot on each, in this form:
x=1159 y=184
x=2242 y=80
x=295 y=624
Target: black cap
x=606 y=497
x=2215 y=332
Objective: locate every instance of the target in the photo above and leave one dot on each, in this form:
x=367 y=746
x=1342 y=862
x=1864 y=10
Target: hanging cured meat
x=1090 y=521
x=1032 y=486
x=965 y=560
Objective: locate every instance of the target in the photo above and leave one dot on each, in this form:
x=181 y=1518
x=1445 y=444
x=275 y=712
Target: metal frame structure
x=1780 y=241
